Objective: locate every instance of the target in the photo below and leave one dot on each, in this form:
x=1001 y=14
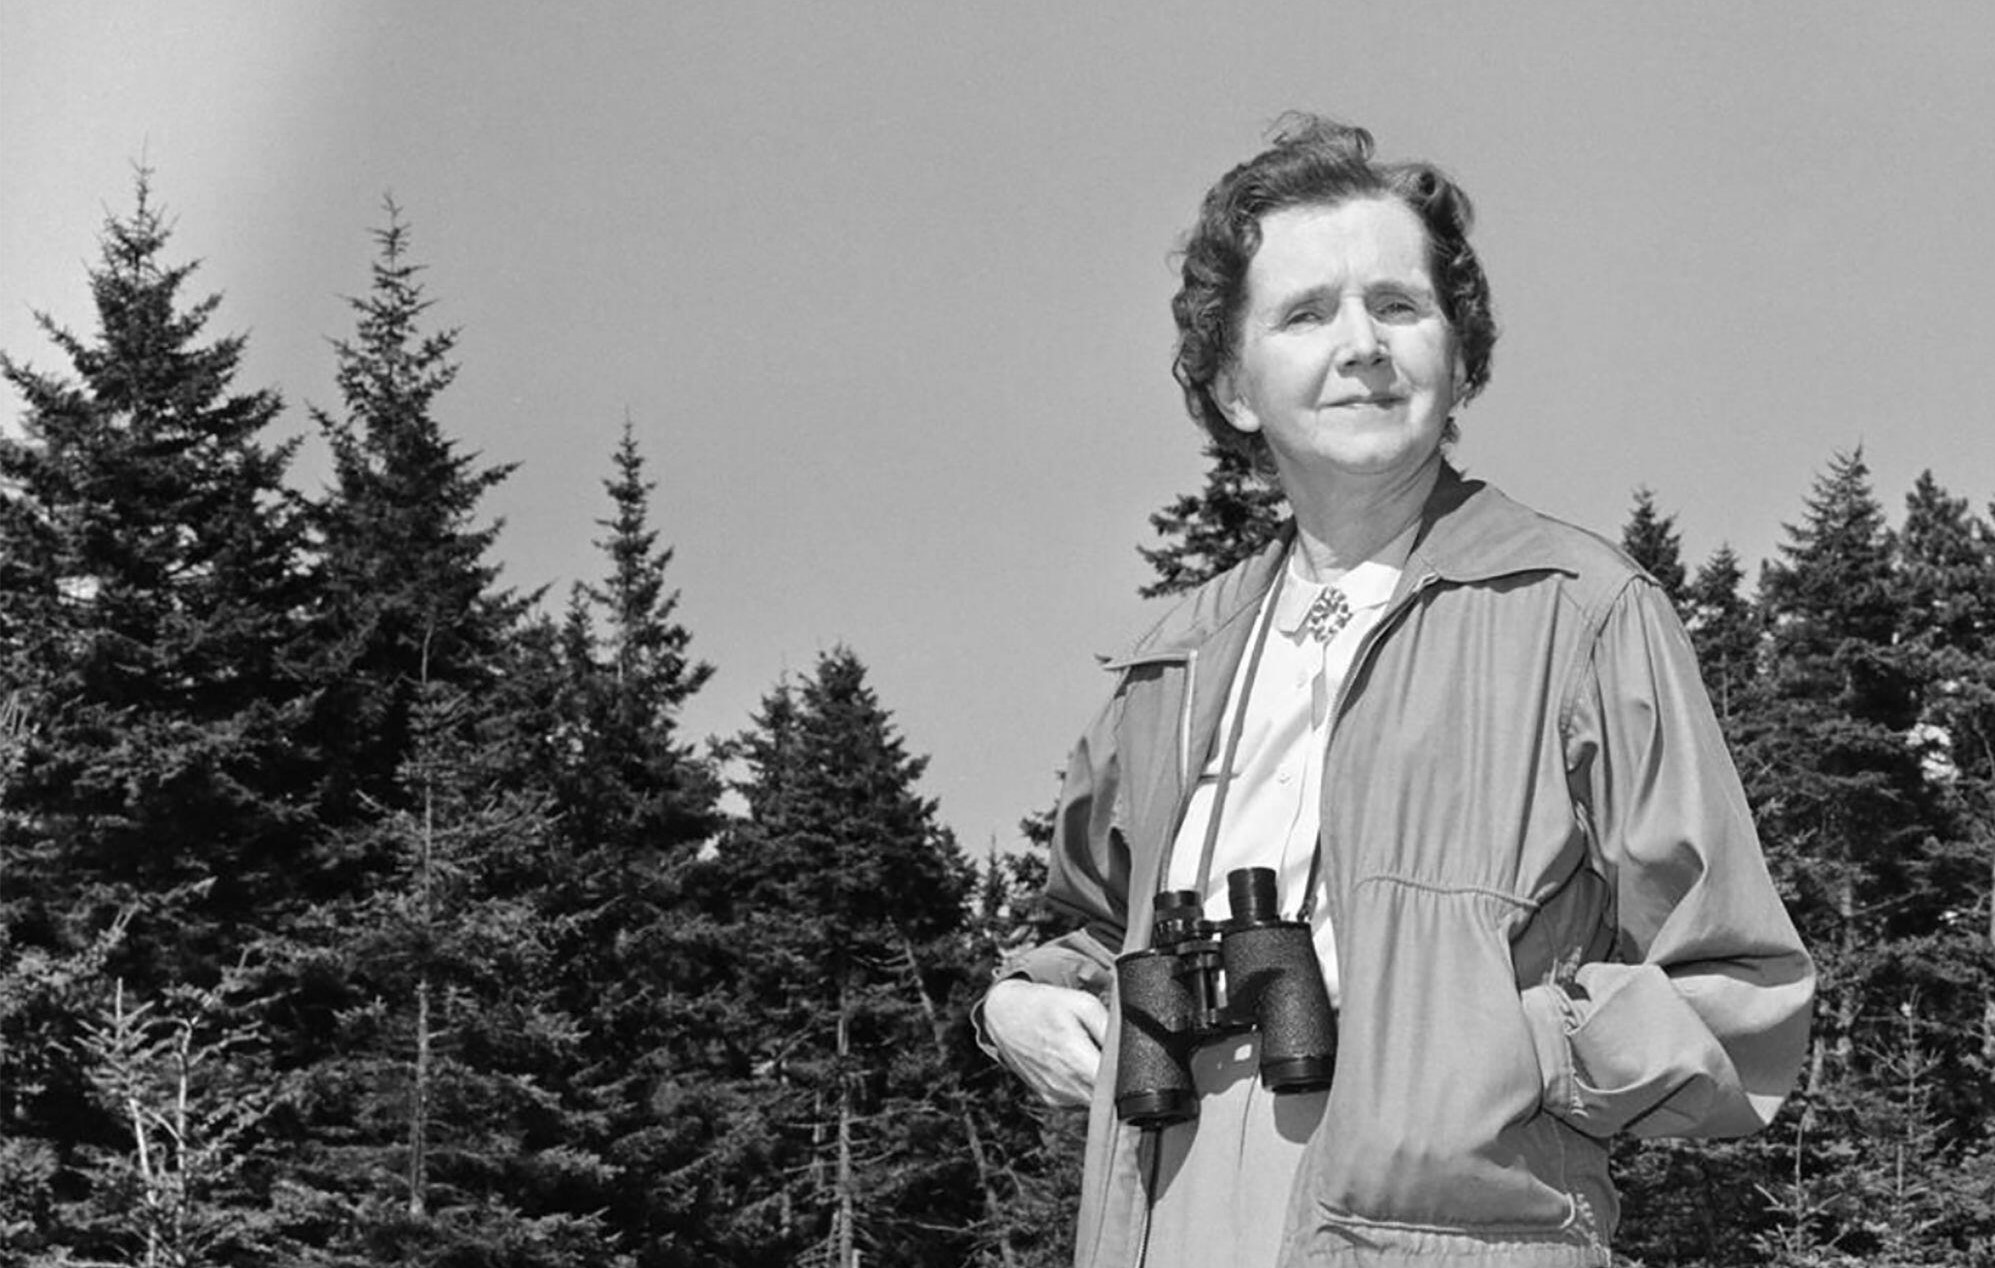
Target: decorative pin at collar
x=1330 y=613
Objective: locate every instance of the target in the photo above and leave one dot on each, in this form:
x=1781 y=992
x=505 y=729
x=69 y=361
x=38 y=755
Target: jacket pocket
x=1436 y=1118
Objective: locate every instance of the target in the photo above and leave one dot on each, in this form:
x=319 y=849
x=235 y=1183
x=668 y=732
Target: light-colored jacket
x=1552 y=916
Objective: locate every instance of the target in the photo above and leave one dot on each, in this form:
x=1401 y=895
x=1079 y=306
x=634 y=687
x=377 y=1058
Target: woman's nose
x=1357 y=339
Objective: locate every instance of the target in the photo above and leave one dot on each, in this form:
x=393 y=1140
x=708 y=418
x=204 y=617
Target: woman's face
x=1345 y=363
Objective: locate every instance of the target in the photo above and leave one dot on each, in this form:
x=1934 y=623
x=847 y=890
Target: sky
x=883 y=288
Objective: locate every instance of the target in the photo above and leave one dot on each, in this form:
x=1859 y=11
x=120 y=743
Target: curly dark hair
x=1314 y=161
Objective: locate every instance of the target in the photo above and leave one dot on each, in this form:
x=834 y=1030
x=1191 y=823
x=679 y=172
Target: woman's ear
x=1226 y=394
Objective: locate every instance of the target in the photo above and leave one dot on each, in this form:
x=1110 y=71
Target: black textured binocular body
x=1201 y=980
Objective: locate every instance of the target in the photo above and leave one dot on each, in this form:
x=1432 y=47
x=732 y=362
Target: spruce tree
x=848 y=907
x=633 y=805
x=185 y=1076
x=149 y=557
x=1833 y=769
x=433 y=1127
x=1947 y=631
x=404 y=586
x=1725 y=631
x=1651 y=540
x=648 y=789
x=149 y=573
x=1848 y=819
x=426 y=1041
x=1237 y=512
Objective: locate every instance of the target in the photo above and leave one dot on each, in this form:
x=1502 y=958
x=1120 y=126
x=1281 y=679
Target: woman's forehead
x=1358 y=240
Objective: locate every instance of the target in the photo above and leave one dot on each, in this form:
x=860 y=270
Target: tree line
x=357 y=910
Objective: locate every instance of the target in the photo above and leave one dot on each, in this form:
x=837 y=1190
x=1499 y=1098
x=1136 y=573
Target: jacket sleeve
x=1088 y=873
x=1699 y=1024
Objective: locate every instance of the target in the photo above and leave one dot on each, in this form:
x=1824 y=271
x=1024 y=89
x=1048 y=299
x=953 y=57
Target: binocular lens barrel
x=1152 y=1085
x=1262 y=966
x=1274 y=979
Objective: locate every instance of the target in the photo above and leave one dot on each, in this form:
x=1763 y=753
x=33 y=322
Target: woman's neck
x=1338 y=529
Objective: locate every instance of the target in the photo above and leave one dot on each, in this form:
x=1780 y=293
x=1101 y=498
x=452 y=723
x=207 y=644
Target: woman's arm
x=1701 y=1025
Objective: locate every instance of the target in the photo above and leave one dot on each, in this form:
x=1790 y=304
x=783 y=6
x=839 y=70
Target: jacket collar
x=1469 y=532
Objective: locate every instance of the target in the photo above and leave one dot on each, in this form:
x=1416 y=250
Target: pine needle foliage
x=149 y=577
x=1237 y=512
x=1651 y=540
x=848 y=907
x=404 y=587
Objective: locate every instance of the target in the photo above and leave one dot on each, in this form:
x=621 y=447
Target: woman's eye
x=1395 y=307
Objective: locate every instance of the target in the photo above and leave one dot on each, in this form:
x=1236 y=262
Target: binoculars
x=1202 y=980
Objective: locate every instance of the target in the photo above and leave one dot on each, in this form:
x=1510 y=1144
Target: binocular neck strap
x=1211 y=845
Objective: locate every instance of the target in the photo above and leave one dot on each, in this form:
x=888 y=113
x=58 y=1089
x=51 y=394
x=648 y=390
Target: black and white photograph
x=997 y=635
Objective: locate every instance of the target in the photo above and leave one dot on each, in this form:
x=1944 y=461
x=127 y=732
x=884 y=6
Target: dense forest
x=356 y=910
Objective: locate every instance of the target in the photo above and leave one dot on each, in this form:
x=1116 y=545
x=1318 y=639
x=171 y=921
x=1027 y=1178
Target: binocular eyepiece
x=1200 y=980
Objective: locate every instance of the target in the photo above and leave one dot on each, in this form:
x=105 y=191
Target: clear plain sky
x=884 y=287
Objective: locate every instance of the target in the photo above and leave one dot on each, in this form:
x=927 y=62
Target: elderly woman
x=1472 y=745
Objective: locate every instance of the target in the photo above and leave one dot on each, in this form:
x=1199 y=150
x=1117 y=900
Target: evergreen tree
x=42 y=998
x=635 y=784
x=433 y=1128
x=148 y=579
x=148 y=573
x=1651 y=540
x=184 y=1076
x=1922 y=1190
x=1235 y=514
x=1947 y=601
x=848 y=911
x=1947 y=631
x=1833 y=769
x=633 y=806
x=1848 y=820
x=426 y=1040
x=404 y=587
x=1725 y=631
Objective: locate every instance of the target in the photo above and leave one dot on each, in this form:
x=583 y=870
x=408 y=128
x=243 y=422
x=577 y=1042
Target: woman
x=1473 y=745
